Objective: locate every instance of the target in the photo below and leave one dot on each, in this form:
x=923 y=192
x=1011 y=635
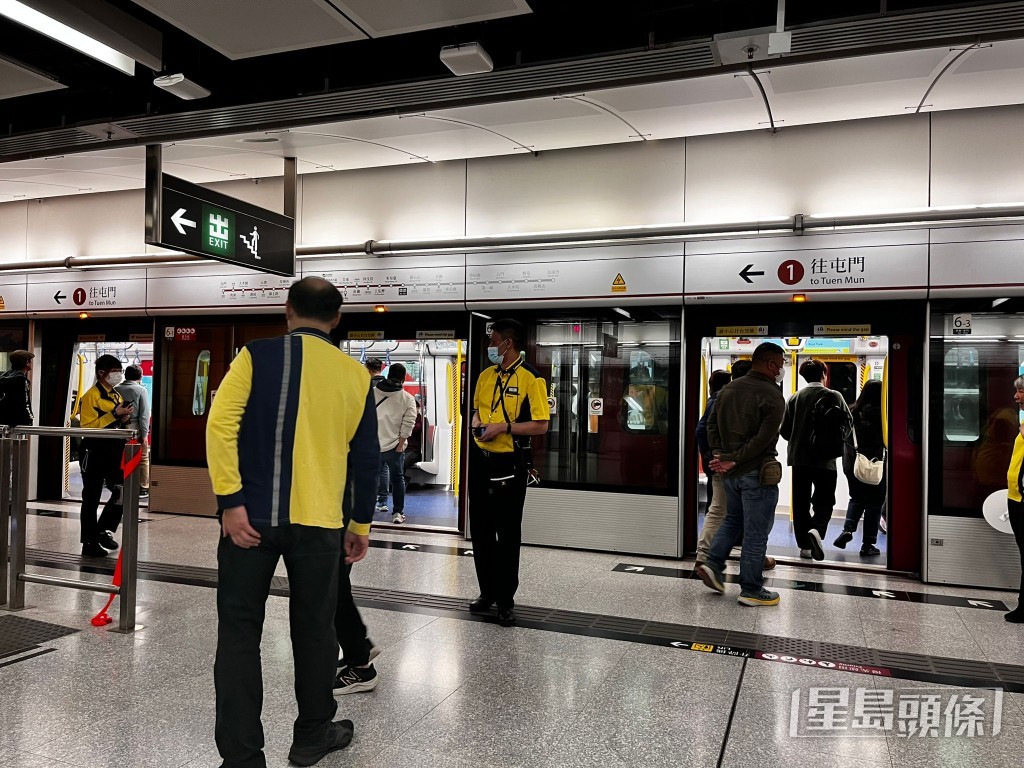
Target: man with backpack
x=816 y=425
x=16 y=391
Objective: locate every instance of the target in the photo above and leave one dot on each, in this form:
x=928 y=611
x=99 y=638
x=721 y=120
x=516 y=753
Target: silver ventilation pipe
x=798 y=224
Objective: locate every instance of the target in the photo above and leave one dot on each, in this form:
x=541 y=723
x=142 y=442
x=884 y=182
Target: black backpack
x=830 y=427
x=12 y=401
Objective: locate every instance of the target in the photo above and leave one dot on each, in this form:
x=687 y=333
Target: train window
x=962 y=394
x=646 y=397
x=843 y=377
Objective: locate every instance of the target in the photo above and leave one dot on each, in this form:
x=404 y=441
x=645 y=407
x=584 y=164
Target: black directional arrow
x=58 y=296
x=745 y=273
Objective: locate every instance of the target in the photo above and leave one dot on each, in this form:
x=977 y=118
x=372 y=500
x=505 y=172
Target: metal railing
x=14 y=471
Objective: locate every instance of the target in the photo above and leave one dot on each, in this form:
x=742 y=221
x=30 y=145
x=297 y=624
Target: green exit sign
x=218 y=231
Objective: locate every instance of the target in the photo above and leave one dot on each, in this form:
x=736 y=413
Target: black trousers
x=348 y=624
x=102 y=468
x=822 y=499
x=496 y=522
x=1016 y=510
x=311 y=556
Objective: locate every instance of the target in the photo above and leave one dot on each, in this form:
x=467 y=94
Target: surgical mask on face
x=114 y=378
x=494 y=354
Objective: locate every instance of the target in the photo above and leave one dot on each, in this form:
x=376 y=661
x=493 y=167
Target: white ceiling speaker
x=466 y=59
x=181 y=87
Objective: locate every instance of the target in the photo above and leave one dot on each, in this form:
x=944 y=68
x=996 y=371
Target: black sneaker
x=338 y=736
x=481 y=605
x=355 y=680
x=106 y=540
x=374 y=653
x=1015 y=616
x=506 y=617
x=843 y=539
x=869 y=551
x=92 y=549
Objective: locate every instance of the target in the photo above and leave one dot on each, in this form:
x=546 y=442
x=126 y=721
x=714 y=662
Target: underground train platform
x=616 y=661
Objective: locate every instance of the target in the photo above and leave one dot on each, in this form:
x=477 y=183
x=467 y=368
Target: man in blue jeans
x=396 y=416
x=743 y=430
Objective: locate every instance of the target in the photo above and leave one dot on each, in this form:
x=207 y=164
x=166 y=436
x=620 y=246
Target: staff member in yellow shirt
x=1015 y=502
x=102 y=407
x=509 y=406
x=292 y=447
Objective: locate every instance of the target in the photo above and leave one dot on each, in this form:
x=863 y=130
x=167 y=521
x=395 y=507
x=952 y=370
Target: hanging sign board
x=197 y=220
x=365 y=336
x=426 y=335
x=842 y=330
x=741 y=330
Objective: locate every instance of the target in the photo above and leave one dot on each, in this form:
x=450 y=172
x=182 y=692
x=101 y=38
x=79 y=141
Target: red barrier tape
x=133 y=464
x=101 y=618
x=127 y=467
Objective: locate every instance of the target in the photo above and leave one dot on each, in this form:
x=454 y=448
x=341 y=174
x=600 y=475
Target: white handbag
x=868 y=471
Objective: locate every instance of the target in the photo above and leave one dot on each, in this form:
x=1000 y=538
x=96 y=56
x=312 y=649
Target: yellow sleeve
x=93 y=413
x=539 y=410
x=222 y=428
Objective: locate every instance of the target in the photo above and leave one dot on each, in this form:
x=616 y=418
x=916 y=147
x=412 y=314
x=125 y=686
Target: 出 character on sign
x=219 y=229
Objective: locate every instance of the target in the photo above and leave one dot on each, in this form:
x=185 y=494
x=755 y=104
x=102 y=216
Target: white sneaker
x=398 y=517
x=805 y=554
x=817 y=550
x=382 y=508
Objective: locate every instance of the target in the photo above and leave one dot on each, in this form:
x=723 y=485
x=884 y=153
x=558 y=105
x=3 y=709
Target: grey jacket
x=797 y=426
x=744 y=424
x=133 y=392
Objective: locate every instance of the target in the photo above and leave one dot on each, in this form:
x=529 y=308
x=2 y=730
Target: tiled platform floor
x=460 y=694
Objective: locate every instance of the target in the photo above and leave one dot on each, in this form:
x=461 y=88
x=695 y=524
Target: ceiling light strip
x=62 y=33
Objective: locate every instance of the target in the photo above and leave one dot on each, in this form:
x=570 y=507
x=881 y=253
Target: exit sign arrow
x=746 y=273
x=180 y=222
x=58 y=296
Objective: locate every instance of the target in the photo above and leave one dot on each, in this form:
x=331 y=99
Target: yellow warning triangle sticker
x=2 y=305
x=618 y=280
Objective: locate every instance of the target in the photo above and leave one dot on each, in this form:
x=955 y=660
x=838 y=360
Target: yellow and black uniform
x=1015 y=504
x=292 y=437
x=498 y=476
x=292 y=423
x=101 y=462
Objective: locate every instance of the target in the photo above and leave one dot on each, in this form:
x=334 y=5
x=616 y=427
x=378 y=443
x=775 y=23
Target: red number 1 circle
x=791 y=272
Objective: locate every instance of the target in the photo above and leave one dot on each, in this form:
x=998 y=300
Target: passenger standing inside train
x=816 y=426
x=509 y=406
x=135 y=395
x=1015 y=499
x=715 y=511
x=291 y=442
x=102 y=407
x=396 y=416
x=16 y=391
x=375 y=366
x=865 y=499
x=743 y=430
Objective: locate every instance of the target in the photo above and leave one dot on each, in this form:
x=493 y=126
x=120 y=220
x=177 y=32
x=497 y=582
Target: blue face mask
x=494 y=354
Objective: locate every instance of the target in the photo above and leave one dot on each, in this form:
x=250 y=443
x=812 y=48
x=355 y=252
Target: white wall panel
x=13 y=230
x=856 y=167
x=410 y=201
x=86 y=225
x=266 y=193
x=978 y=157
x=622 y=185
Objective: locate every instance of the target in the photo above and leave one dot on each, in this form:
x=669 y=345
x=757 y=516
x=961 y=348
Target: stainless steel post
x=19 y=497
x=5 y=510
x=129 y=543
